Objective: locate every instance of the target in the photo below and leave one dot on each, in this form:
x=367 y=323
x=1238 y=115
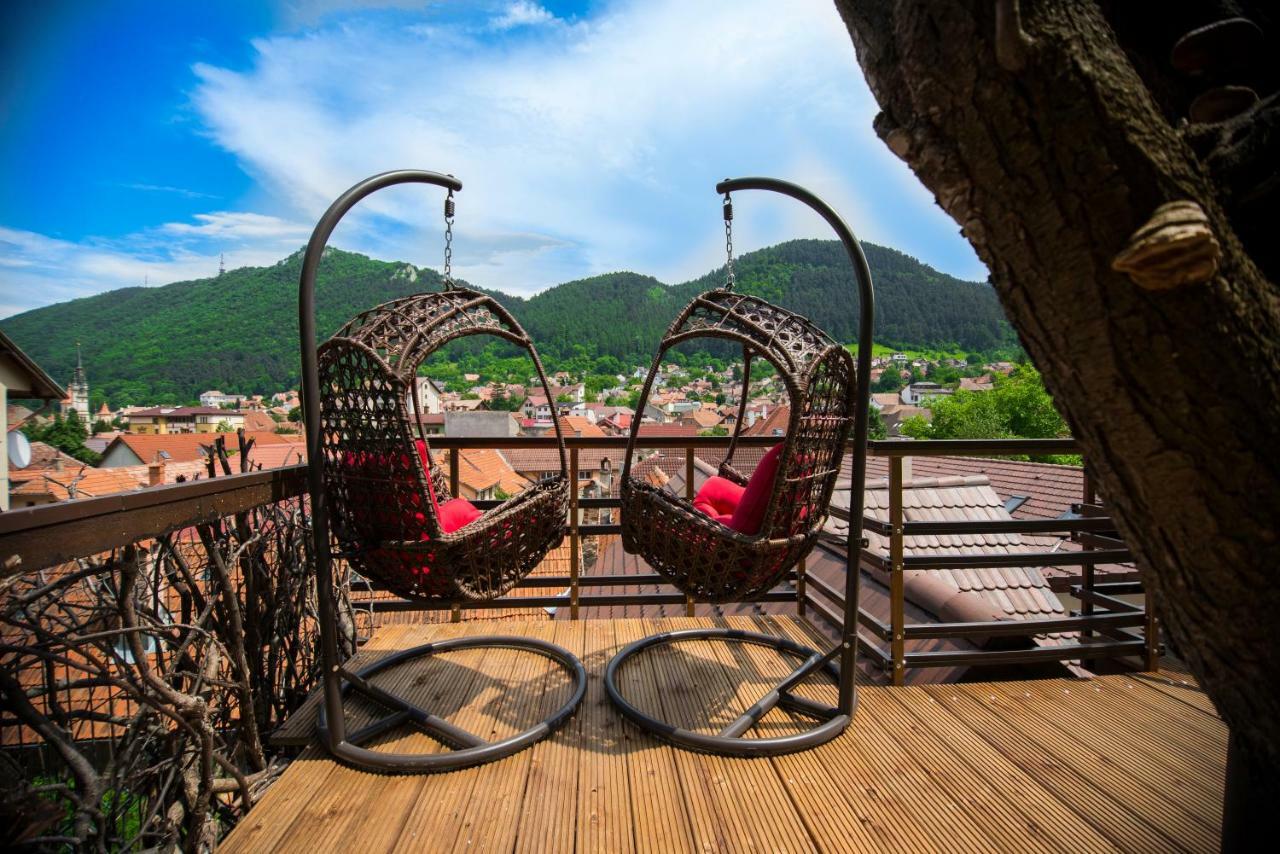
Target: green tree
x=1017 y=407
x=65 y=434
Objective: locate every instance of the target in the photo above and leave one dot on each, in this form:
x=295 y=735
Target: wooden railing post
x=801 y=573
x=1087 y=570
x=897 y=619
x=688 y=494
x=1151 y=633
x=455 y=612
x=575 y=563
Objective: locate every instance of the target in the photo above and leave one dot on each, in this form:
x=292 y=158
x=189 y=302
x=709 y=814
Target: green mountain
x=238 y=332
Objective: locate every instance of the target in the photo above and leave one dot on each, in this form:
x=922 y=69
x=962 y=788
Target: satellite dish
x=19 y=449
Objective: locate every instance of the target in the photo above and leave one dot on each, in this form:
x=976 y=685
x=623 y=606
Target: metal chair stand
x=469 y=749
x=732 y=739
x=476 y=563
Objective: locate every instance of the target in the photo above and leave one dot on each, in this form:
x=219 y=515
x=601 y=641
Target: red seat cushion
x=749 y=514
x=718 y=497
x=456 y=513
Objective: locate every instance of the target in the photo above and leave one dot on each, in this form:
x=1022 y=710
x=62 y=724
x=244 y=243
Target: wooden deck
x=1130 y=763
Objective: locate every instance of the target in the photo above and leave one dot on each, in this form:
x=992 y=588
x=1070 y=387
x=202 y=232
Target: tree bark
x=1047 y=148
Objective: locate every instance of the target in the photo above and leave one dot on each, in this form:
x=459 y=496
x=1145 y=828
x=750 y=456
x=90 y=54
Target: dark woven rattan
x=707 y=559
x=383 y=517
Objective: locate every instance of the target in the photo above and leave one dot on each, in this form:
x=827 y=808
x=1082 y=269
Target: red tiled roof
x=778 y=419
x=649 y=429
x=1051 y=489
x=186 y=446
x=576 y=425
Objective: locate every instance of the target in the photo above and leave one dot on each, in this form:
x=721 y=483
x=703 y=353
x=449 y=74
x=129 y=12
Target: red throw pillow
x=749 y=514
x=718 y=497
x=456 y=513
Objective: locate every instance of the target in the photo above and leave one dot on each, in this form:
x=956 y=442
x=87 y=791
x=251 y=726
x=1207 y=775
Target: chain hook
x=449 y=284
x=729 y=277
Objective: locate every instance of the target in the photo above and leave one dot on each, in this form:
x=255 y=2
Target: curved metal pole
x=311 y=419
x=862 y=405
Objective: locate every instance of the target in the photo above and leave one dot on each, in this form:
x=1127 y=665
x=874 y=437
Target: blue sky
x=142 y=139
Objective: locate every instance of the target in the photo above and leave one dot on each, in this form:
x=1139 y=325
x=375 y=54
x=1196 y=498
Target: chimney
x=155 y=473
x=906 y=470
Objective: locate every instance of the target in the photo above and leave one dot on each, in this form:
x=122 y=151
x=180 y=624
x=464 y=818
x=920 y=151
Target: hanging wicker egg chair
x=392 y=513
x=717 y=559
x=740 y=537
x=376 y=488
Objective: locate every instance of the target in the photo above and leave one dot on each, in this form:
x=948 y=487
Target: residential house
x=429 y=396
x=915 y=394
x=702 y=419
x=214 y=398
x=775 y=424
x=20 y=378
x=183 y=419
x=496 y=424
x=484 y=474
x=986 y=382
x=131 y=449
x=537 y=408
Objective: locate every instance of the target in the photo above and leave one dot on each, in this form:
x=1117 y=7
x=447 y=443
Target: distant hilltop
x=238 y=331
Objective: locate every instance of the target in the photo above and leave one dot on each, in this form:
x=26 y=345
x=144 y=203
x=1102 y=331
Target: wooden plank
x=1125 y=774
x=491 y=818
x=375 y=805
x=705 y=688
x=881 y=780
x=1039 y=809
x=440 y=815
x=1063 y=766
x=549 y=808
x=605 y=815
x=1151 y=744
x=662 y=822
x=1109 y=763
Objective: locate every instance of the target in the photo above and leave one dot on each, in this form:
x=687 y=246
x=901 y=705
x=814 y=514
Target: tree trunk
x=1048 y=149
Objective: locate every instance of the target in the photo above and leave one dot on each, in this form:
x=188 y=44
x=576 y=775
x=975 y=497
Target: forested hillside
x=238 y=332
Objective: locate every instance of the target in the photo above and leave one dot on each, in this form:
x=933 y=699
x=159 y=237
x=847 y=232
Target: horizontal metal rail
x=986 y=628
x=1065 y=652
x=561 y=601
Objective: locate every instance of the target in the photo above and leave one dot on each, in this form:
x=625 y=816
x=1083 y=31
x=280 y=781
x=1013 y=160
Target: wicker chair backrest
x=376 y=480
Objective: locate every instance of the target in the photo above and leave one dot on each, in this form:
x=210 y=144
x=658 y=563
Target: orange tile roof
x=576 y=425
x=648 y=429
x=484 y=468
x=255 y=421
x=186 y=446
x=778 y=419
x=1015 y=593
x=82 y=482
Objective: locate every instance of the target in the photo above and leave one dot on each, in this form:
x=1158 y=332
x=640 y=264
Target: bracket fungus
x=1175 y=247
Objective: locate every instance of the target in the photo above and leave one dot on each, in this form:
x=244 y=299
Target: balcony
x=159 y=653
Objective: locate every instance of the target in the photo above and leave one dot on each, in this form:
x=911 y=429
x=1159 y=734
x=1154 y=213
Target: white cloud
x=601 y=140
x=522 y=13
x=37 y=270
x=584 y=147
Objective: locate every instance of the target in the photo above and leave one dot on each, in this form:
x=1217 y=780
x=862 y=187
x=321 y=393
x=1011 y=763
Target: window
x=1015 y=501
x=584 y=475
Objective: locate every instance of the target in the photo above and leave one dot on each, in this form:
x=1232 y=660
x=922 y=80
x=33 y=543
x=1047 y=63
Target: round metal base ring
x=465 y=757
x=719 y=744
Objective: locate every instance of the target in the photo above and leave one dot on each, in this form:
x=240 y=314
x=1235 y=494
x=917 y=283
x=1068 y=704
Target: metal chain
x=448 y=241
x=729 y=278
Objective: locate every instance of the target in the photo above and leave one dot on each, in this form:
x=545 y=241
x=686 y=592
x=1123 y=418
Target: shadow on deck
x=1113 y=763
